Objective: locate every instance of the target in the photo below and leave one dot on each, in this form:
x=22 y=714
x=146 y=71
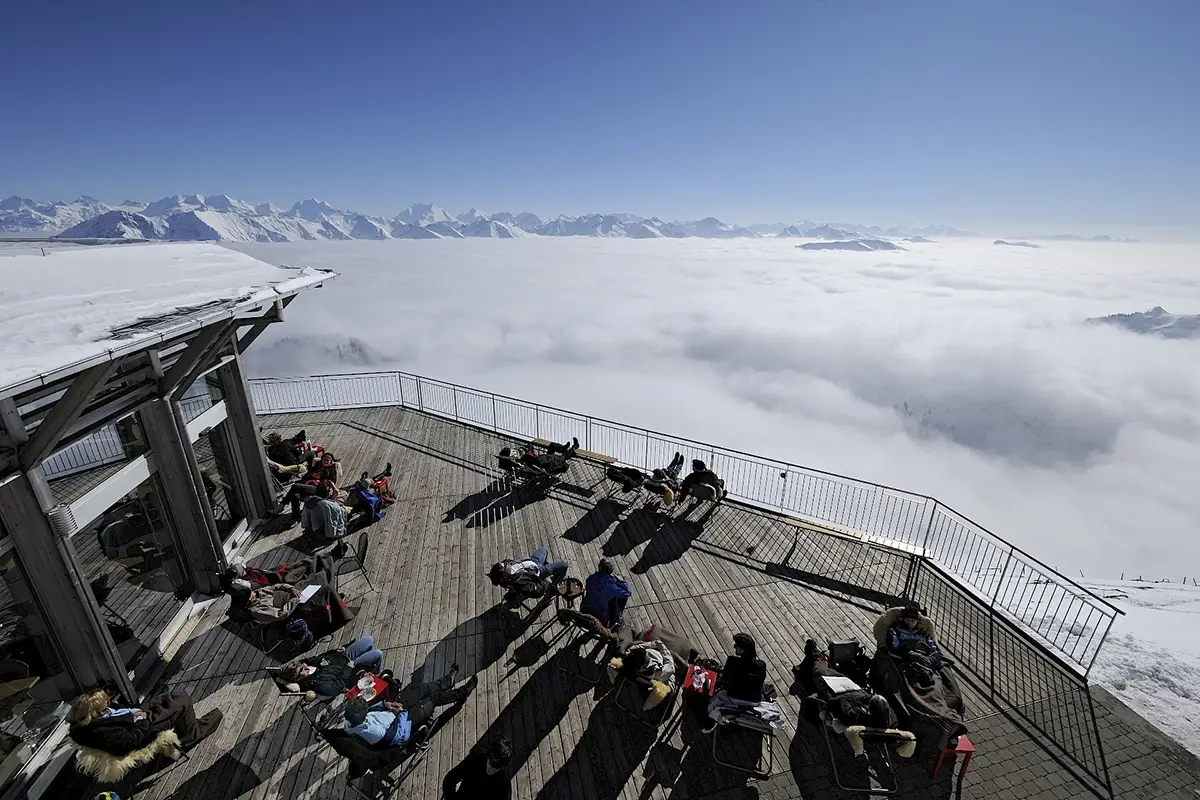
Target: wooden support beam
x=11 y=423
x=63 y=415
x=193 y=360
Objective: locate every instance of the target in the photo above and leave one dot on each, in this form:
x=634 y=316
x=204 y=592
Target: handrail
x=1064 y=616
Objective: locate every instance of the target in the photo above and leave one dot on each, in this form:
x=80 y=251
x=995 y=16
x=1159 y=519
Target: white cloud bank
x=956 y=369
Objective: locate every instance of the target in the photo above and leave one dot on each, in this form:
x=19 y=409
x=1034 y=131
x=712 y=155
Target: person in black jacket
x=333 y=672
x=98 y=724
x=740 y=682
x=701 y=474
x=481 y=776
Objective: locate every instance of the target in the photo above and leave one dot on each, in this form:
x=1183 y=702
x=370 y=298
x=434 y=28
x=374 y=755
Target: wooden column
x=57 y=580
x=247 y=437
x=201 y=558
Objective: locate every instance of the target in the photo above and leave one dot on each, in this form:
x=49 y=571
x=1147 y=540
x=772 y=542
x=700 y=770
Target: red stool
x=966 y=751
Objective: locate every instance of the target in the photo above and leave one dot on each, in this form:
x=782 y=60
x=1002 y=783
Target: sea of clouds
x=957 y=369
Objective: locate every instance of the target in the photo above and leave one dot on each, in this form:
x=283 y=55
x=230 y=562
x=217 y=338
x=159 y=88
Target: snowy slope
x=424 y=214
x=491 y=229
x=24 y=214
x=116 y=225
x=1157 y=322
x=1151 y=659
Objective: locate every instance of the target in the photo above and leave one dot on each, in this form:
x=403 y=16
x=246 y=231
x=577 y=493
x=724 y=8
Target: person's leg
x=540 y=555
x=173 y=711
x=616 y=610
x=420 y=713
x=360 y=646
x=371 y=661
x=558 y=569
x=383 y=476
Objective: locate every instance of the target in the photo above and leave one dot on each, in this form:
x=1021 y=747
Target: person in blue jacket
x=605 y=595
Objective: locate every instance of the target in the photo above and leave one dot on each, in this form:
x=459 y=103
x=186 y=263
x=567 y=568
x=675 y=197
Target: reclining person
x=740 y=683
x=849 y=703
x=554 y=460
x=324 y=515
x=392 y=724
x=911 y=634
x=701 y=475
x=532 y=577
x=127 y=737
x=628 y=478
x=655 y=654
x=605 y=595
x=293 y=572
x=333 y=672
x=673 y=469
x=660 y=483
x=371 y=495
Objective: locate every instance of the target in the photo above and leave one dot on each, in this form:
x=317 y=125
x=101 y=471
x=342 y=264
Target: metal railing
x=1064 y=617
x=102 y=446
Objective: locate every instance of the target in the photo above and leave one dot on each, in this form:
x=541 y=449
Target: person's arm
x=132 y=734
x=893 y=641
x=621 y=588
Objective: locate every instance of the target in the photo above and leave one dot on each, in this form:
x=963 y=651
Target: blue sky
x=1021 y=113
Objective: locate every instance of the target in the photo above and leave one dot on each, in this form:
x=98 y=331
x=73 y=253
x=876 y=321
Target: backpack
x=298 y=633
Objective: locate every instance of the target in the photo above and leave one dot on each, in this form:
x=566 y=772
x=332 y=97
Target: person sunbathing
x=97 y=723
x=531 y=577
x=333 y=672
x=845 y=700
x=371 y=495
x=324 y=515
x=393 y=723
x=651 y=662
x=910 y=638
x=553 y=460
x=740 y=683
x=605 y=595
x=701 y=475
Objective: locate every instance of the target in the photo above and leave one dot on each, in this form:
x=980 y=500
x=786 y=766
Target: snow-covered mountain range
x=1155 y=322
x=220 y=217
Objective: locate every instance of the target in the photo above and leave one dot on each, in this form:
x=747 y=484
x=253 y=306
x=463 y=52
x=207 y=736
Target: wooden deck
x=433 y=605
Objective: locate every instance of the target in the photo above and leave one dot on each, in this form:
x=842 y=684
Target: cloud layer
x=956 y=369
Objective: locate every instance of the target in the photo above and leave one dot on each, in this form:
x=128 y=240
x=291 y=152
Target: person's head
x=605 y=567
x=87 y=707
x=506 y=452
x=291 y=673
x=744 y=646
x=499 y=753
x=327 y=460
x=635 y=660
x=879 y=713
x=322 y=489
x=698 y=465
x=660 y=475
x=910 y=617
x=273 y=439
x=300 y=437
x=497 y=573
x=356 y=711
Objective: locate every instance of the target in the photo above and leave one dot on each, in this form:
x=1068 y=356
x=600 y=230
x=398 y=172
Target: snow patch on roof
x=58 y=309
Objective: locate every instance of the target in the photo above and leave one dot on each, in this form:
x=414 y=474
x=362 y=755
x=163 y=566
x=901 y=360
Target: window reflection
x=128 y=558
x=33 y=681
x=75 y=470
x=214 y=453
x=202 y=395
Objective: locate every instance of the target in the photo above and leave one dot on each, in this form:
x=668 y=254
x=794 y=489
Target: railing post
x=646 y=458
x=587 y=435
x=400 y=383
x=1111 y=619
x=324 y=393
x=782 y=487
x=928 y=528
x=992 y=627
x=495 y=419
x=537 y=421
x=454 y=395
x=420 y=399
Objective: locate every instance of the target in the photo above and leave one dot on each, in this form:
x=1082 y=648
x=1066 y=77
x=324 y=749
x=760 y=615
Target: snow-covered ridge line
x=220 y=217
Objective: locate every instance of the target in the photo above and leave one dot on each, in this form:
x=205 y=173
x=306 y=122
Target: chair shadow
x=595 y=522
x=473 y=504
x=491 y=633
x=637 y=528
x=673 y=539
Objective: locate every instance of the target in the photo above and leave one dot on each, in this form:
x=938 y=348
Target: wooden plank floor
x=433 y=606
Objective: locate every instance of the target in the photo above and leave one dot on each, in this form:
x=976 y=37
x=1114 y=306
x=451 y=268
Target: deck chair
x=655 y=717
x=747 y=720
x=879 y=743
x=358 y=552
x=588 y=627
x=526 y=476
x=378 y=761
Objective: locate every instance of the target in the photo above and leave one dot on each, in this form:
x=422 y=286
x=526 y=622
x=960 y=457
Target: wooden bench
x=581 y=453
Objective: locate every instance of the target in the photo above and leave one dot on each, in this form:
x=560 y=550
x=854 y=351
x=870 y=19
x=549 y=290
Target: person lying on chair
x=115 y=739
x=324 y=515
x=912 y=633
x=651 y=662
x=849 y=703
x=333 y=672
x=555 y=457
x=605 y=595
x=531 y=577
x=391 y=724
x=701 y=474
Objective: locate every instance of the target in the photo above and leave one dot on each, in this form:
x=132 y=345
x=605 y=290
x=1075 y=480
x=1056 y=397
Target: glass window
x=129 y=560
x=202 y=395
x=33 y=681
x=219 y=471
x=78 y=468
